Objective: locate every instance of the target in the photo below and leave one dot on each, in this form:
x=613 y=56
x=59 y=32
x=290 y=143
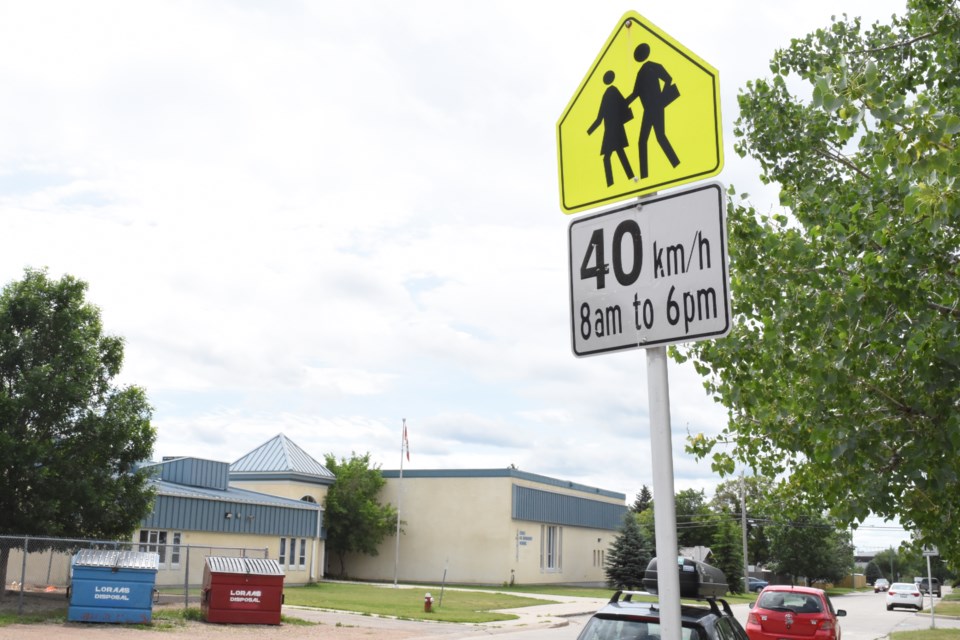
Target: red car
x=782 y=612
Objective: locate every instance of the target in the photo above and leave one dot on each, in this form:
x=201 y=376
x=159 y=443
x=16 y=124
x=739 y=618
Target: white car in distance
x=904 y=594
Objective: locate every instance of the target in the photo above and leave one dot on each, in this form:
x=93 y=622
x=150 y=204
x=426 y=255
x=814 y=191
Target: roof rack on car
x=624 y=595
x=627 y=595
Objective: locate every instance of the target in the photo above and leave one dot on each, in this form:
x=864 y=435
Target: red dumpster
x=241 y=590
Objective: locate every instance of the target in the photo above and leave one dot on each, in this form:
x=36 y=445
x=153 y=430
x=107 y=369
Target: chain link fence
x=36 y=567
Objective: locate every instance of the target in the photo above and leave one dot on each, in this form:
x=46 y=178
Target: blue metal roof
x=194 y=472
x=280 y=458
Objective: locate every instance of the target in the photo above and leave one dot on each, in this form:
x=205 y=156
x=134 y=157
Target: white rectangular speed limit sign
x=650 y=273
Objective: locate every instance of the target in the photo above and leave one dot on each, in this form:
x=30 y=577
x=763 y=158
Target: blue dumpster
x=112 y=586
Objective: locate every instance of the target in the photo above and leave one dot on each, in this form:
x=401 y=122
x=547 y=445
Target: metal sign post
x=928 y=553
x=665 y=512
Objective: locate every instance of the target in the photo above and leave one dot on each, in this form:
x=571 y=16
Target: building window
x=551 y=548
x=152 y=540
x=598 y=557
x=175 y=550
x=288 y=553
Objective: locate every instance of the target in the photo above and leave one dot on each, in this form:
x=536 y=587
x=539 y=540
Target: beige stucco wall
x=464 y=526
x=205 y=543
x=284 y=488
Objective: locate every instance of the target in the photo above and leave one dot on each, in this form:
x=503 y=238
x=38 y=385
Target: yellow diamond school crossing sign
x=645 y=117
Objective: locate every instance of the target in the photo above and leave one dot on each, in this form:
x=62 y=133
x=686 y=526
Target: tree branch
x=950 y=312
x=906 y=43
x=830 y=154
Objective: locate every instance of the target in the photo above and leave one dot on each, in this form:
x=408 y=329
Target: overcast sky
x=321 y=218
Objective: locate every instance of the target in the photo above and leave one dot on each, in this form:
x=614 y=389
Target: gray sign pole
x=665 y=509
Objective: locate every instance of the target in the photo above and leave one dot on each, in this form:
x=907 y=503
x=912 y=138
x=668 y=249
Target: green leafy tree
x=844 y=362
x=647 y=521
x=696 y=523
x=812 y=548
x=69 y=437
x=871 y=572
x=355 y=520
x=727 y=548
x=643 y=501
x=628 y=556
x=889 y=563
x=901 y=565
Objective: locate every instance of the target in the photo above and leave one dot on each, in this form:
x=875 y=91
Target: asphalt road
x=868 y=619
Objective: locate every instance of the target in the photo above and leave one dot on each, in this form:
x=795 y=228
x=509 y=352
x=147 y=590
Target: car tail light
x=827 y=625
x=753 y=618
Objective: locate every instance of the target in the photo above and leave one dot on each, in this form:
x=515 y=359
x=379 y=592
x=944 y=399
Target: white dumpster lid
x=117 y=559
x=254 y=566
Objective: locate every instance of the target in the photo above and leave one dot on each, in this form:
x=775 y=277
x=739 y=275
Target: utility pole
x=743 y=528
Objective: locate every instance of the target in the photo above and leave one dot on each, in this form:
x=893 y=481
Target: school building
x=480 y=526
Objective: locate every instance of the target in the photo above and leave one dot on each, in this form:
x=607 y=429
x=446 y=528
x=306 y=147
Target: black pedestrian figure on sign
x=614 y=114
x=654 y=100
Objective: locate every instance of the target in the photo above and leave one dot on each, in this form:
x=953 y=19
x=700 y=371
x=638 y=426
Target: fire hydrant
x=427 y=603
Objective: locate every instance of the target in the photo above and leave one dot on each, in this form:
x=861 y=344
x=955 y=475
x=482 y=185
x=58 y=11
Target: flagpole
x=403 y=445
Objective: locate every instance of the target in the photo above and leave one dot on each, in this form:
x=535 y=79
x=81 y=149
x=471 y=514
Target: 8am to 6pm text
x=689 y=306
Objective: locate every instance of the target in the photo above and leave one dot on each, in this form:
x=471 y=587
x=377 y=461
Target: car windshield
x=789 y=601
x=902 y=586
x=624 y=629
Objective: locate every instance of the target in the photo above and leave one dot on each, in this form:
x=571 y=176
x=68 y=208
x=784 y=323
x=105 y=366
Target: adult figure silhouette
x=654 y=100
x=614 y=114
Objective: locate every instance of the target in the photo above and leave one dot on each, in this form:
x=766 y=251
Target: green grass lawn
x=35 y=618
x=948 y=606
x=927 y=634
x=407 y=602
